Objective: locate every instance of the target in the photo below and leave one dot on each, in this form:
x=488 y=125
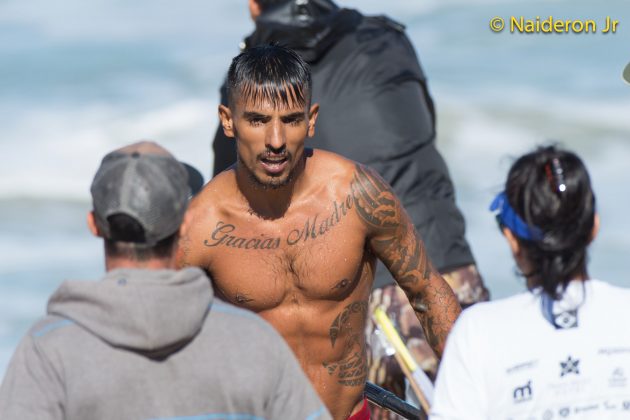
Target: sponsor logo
x=618 y=379
x=566 y=319
x=570 y=366
x=564 y=412
x=522 y=393
x=626 y=405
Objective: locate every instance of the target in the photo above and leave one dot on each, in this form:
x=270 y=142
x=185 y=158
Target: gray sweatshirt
x=147 y=344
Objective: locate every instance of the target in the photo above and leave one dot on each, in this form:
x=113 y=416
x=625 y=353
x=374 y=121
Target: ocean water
x=78 y=79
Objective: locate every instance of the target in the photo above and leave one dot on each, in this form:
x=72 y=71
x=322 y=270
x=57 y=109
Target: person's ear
x=515 y=247
x=312 y=118
x=595 y=230
x=225 y=115
x=183 y=228
x=91 y=222
x=254 y=9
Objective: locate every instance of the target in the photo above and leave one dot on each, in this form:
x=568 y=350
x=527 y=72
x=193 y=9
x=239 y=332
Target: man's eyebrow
x=250 y=115
x=293 y=116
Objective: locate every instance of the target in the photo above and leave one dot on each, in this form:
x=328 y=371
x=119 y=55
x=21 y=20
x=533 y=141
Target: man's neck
x=113 y=263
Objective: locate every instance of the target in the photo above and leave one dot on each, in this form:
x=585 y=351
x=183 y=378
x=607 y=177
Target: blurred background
x=78 y=79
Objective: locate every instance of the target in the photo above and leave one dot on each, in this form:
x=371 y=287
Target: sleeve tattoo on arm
x=395 y=241
x=397 y=244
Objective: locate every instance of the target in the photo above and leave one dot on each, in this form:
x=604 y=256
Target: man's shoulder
x=333 y=163
x=338 y=172
x=214 y=193
x=222 y=180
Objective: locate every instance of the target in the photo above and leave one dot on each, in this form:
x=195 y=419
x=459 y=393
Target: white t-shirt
x=506 y=360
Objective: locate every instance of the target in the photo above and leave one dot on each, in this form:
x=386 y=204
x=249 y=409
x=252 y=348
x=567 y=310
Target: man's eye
x=293 y=121
x=256 y=121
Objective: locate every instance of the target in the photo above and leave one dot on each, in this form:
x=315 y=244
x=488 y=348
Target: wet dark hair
x=269 y=73
x=127 y=237
x=550 y=188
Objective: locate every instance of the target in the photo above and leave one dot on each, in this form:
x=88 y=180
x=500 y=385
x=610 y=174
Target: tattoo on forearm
x=351 y=370
x=398 y=247
x=441 y=310
x=314 y=227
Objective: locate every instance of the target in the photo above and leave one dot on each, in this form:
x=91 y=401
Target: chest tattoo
x=224 y=234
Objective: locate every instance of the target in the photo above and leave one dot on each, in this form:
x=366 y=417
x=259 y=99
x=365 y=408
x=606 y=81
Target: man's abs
x=321 y=313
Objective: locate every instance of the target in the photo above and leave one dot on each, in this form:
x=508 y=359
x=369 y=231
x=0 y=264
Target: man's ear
x=595 y=230
x=91 y=222
x=515 y=247
x=254 y=9
x=312 y=118
x=183 y=228
x=225 y=114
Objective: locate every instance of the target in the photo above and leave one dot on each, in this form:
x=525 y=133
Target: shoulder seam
x=51 y=327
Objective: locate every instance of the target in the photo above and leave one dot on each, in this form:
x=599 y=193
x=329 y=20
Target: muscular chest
x=315 y=256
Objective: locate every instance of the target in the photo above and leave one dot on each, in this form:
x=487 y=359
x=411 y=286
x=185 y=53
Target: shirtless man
x=293 y=233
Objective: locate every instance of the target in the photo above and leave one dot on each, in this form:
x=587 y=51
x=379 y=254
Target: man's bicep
x=391 y=234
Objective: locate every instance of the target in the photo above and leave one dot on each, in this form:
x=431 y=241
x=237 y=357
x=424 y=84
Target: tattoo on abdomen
x=351 y=369
x=401 y=251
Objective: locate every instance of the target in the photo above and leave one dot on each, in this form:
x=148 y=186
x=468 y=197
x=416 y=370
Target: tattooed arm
x=394 y=240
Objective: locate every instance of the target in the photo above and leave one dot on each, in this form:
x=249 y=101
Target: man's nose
x=276 y=139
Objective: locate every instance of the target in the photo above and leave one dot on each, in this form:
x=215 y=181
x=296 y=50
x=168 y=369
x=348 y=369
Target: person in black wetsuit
x=375 y=109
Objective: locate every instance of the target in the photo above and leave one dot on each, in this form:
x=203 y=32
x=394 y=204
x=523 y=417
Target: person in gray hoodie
x=147 y=341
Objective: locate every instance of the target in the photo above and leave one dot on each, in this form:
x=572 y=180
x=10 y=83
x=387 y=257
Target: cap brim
x=195 y=179
x=626 y=74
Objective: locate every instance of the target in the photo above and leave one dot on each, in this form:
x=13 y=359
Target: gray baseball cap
x=145 y=182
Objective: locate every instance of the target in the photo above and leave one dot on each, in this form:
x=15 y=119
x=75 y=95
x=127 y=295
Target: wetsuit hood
x=149 y=311
x=310 y=28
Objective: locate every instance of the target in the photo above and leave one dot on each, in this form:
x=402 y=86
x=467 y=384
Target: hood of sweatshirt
x=149 y=311
x=310 y=28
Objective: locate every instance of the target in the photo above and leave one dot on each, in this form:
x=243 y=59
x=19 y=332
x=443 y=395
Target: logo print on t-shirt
x=566 y=320
x=523 y=393
x=570 y=366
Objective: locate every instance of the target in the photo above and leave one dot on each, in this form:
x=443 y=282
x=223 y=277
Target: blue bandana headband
x=508 y=217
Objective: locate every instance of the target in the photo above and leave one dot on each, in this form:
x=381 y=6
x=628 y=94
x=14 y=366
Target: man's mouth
x=274 y=165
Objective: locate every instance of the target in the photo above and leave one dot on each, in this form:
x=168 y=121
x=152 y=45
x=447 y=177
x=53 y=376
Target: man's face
x=269 y=139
